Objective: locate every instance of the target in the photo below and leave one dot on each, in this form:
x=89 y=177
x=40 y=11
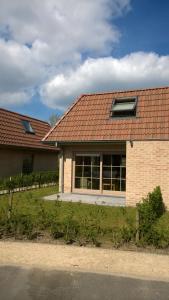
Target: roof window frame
x=124 y=114
x=31 y=131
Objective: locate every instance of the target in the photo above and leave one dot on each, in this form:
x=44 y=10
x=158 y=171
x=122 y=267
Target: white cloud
x=59 y=29
x=132 y=71
x=49 y=43
x=39 y=39
x=18 y=69
x=18 y=98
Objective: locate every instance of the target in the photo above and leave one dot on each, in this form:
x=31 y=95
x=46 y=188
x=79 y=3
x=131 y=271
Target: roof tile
x=89 y=118
x=12 y=132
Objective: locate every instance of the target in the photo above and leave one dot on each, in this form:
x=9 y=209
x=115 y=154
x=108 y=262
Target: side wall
x=45 y=161
x=11 y=161
x=147 y=166
x=67 y=173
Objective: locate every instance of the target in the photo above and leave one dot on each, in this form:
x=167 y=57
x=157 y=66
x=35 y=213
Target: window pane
x=78 y=183
x=107 y=160
x=95 y=160
x=126 y=105
x=87 y=172
x=78 y=171
x=123 y=185
x=87 y=168
x=27 y=126
x=107 y=184
x=87 y=160
x=116 y=172
x=106 y=172
x=123 y=173
x=95 y=184
x=87 y=183
x=115 y=185
x=79 y=160
x=96 y=172
x=116 y=160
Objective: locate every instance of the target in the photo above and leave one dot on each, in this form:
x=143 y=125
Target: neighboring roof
x=89 y=120
x=12 y=132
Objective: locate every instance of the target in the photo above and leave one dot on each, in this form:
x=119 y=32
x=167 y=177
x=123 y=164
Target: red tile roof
x=88 y=119
x=12 y=132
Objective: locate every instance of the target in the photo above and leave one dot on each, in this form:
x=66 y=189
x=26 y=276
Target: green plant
x=28 y=180
x=18 y=226
x=150 y=210
x=70 y=229
x=121 y=236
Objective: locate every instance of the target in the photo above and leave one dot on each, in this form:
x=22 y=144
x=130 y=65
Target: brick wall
x=11 y=161
x=68 y=155
x=147 y=166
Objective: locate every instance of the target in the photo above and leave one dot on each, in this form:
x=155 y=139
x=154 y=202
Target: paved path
x=38 y=284
x=89 y=199
x=97 y=260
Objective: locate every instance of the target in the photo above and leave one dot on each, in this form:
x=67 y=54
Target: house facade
x=115 y=144
x=21 y=148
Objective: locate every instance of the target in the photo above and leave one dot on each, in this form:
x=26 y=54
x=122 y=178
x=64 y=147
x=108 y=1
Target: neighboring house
x=21 y=148
x=115 y=144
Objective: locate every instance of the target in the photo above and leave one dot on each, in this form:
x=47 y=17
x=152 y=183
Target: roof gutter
x=59 y=143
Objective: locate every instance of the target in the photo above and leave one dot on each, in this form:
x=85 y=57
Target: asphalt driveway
x=33 y=284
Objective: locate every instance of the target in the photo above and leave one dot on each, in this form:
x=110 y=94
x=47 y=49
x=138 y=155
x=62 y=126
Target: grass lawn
x=31 y=201
x=82 y=223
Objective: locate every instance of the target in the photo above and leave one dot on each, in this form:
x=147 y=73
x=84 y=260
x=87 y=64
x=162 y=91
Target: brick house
x=115 y=144
x=21 y=148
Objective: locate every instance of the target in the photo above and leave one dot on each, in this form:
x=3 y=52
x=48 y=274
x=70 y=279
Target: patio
x=88 y=199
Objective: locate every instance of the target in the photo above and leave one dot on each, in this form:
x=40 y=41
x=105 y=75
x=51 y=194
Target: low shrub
x=18 y=226
x=90 y=229
x=70 y=229
x=121 y=236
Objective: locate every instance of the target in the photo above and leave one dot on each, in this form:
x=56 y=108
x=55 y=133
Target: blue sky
x=51 y=53
x=144 y=28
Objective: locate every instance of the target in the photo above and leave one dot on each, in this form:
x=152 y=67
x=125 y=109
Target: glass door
x=87 y=171
x=114 y=172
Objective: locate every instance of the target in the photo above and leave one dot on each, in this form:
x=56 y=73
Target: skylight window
x=27 y=126
x=124 y=107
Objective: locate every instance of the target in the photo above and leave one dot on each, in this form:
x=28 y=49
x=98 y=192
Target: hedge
x=33 y=179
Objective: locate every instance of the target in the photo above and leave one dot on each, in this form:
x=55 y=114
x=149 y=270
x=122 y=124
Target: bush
x=121 y=236
x=90 y=229
x=20 y=181
x=150 y=210
x=18 y=226
x=70 y=229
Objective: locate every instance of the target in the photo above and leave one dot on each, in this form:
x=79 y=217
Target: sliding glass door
x=114 y=172
x=101 y=172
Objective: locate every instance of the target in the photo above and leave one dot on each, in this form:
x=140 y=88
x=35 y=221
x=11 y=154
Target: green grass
x=82 y=223
x=29 y=202
x=94 y=221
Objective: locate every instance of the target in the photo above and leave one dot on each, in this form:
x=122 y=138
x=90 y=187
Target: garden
x=26 y=216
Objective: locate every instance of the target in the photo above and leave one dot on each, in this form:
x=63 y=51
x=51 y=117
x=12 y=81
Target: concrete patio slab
x=88 y=199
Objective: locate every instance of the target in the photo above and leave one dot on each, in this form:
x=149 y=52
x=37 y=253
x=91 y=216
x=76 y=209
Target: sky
x=53 y=51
